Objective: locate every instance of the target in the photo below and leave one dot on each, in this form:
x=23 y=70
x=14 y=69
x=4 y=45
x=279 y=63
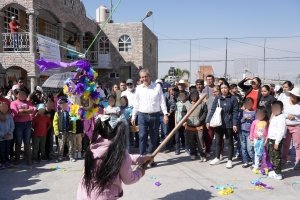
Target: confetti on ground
x=258 y=185
x=157 y=183
x=57 y=168
x=225 y=190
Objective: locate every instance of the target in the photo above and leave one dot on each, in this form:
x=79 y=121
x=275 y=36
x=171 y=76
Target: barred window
x=104 y=45
x=125 y=44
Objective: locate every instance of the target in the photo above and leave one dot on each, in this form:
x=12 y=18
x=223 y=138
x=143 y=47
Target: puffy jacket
x=59 y=123
x=230 y=110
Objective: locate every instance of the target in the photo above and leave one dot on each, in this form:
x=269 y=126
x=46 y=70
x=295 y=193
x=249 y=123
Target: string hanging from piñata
x=80 y=89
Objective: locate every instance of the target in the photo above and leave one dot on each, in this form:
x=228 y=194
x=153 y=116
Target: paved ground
x=180 y=178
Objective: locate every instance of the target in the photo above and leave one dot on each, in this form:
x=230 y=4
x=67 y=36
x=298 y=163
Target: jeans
x=219 y=133
x=22 y=132
x=39 y=144
x=293 y=132
x=163 y=127
x=148 y=124
x=247 y=150
x=15 y=38
x=49 y=143
x=4 y=151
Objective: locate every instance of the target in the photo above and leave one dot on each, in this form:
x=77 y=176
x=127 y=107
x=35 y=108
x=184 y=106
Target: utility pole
x=111 y=10
x=225 y=74
x=190 y=75
x=265 y=40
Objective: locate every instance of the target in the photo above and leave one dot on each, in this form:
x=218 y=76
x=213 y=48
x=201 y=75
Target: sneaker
x=271 y=174
x=229 y=164
x=277 y=176
x=215 y=161
x=203 y=159
x=72 y=160
x=297 y=166
x=79 y=155
x=221 y=157
x=60 y=159
x=177 y=152
x=245 y=165
x=193 y=157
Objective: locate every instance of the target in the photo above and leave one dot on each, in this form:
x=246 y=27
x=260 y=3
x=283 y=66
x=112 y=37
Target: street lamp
x=149 y=14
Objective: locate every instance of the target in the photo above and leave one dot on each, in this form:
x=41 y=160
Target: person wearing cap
x=41 y=124
x=22 y=111
x=149 y=101
x=64 y=127
x=292 y=113
x=129 y=92
x=278 y=90
x=14 y=27
x=181 y=85
x=7 y=126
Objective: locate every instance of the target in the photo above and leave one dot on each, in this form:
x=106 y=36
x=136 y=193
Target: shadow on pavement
x=16 y=182
x=190 y=194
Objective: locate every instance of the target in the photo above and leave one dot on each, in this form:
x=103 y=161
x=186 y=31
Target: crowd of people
x=258 y=122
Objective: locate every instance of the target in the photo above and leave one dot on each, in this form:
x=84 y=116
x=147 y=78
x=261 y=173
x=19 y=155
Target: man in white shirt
x=129 y=92
x=149 y=101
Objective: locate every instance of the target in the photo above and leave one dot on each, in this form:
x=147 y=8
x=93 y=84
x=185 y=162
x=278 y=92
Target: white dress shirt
x=130 y=96
x=149 y=99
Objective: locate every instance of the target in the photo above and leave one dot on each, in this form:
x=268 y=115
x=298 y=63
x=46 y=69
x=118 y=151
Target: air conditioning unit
x=113 y=75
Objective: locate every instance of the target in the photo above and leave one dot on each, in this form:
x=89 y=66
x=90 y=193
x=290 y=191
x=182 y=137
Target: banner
x=48 y=48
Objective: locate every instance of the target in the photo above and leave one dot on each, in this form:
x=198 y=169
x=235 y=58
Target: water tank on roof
x=102 y=14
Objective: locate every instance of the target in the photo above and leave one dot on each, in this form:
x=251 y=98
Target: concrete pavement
x=180 y=178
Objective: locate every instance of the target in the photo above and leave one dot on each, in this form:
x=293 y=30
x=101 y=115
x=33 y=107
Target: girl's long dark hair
x=98 y=177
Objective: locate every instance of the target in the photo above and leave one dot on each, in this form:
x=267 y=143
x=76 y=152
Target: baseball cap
x=129 y=81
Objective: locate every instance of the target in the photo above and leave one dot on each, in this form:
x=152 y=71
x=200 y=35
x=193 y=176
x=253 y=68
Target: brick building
x=205 y=70
x=117 y=54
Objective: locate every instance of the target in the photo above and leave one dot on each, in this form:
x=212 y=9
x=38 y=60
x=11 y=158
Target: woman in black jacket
x=229 y=115
x=253 y=91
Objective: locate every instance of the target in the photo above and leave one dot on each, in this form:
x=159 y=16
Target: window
x=125 y=43
x=9 y=12
x=20 y=15
x=50 y=30
x=104 y=45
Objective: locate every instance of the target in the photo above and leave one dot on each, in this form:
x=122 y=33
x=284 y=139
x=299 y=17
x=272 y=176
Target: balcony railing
x=15 y=41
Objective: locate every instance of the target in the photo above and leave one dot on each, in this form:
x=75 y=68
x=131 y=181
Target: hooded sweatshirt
x=126 y=174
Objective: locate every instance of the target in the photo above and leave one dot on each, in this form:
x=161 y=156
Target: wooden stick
x=172 y=133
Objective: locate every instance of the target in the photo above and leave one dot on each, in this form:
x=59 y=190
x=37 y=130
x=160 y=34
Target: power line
x=271 y=48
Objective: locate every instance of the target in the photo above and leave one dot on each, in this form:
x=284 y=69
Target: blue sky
x=218 y=18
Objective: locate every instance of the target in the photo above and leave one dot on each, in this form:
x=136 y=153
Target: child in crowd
x=247 y=117
x=112 y=109
x=6 y=135
x=41 y=124
x=276 y=134
x=50 y=111
x=258 y=137
x=266 y=99
x=108 y=163
x=194 y=127
x=64 y=128
x=77 y=139
x=126 y=115
x=179 y=114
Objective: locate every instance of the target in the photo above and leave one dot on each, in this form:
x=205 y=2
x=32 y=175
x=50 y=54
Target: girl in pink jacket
x=108 y=163
x=258 y=136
